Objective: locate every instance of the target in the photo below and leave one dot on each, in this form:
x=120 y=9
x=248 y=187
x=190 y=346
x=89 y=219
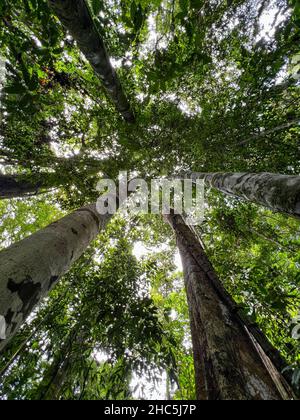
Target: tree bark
x=233 y=360
x=277 y=192
x=76 y=18
x=33 y=266
x=13 y=186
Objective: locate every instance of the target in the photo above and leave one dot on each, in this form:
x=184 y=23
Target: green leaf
x=137 y=16
x=180 y=16
x=26 y=101
x=33 y=84
x=15 y=89
x=133 y=10
x=184 y=6
x=196 y=4
x=97 y=6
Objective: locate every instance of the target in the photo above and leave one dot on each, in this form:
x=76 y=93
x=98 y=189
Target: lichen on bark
x=280 y=193
x=32 y=267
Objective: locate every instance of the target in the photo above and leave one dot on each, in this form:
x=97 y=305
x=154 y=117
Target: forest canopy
x=91 y=88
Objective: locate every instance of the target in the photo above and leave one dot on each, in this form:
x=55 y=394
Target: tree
x=277 y=192
x=32 y=267
x=70 y=173
x=77 y=18
x=12 y=186
x=215 y=88
x=222 y=341
x=75 y=346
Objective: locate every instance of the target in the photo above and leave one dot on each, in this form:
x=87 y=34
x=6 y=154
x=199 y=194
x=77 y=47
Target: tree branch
x=76 y=18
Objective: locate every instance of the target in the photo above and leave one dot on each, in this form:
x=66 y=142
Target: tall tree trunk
x=76 y=18
x=276 y=192
x=12 y=186
x=55 y=375
x=233 y=360
x=58 y=380
x=18 y=185
x=31 y=267
x=58 y=372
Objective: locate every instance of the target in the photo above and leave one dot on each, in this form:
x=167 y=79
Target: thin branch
x=267 y=132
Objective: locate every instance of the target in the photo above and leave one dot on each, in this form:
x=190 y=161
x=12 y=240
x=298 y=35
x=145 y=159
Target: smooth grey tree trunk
x=233 y=360
x=76 y=18
x=13 y=186
x=277 y=192
x=30 y=268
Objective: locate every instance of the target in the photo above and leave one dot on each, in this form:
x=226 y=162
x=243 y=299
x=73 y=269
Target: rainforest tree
x=95 y=307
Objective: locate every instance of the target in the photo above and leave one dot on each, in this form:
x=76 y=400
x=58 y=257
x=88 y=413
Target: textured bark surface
x=75 y=17
x=230 y=358
x=276 y=192
x=12 y=186
x=32 y=267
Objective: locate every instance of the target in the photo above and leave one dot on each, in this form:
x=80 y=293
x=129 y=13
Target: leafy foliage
x=215 y=87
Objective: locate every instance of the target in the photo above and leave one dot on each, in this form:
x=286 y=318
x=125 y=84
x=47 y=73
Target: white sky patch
x=69 y=111
x=269 y=20
x=188 y=109
x=64 y=150
x=173 y=315
x=3 y=168
x=142 y=388
x=37 y=41
x=2 y=78
x=149 y=45
x=140 y=251
x=2 y=70
x=141 y=96
x=282 y=74
x=67 y=57
x=100 y=356
x=117 y=64
x=99 y=258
